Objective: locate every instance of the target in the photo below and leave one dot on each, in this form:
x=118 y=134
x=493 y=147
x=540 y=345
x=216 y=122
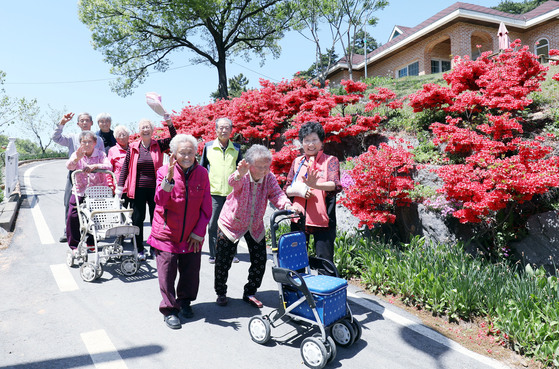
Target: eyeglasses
x=311 y=142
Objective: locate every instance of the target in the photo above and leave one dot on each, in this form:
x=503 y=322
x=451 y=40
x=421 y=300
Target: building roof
x=457 y=10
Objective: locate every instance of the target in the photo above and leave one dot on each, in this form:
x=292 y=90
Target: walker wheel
x=358 y=330
x=98 y=271
x=259 y=330
x=331 y=349
x=70 y=258
x=314 y=353
x=88 y=272
x=343 y=333
x=129 y=266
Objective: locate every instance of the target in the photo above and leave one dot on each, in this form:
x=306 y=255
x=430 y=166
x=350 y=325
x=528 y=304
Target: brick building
x=457 y=30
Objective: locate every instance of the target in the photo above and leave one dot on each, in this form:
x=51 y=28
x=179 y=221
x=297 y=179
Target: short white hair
x=84 y=134
x=104 y=116
x=119 y=129
x=182 y=138
x=224 y=119
x=144 y=120
x=257 y=152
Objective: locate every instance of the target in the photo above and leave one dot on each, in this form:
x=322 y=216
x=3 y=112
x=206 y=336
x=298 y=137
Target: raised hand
x=66 y=118
x=242 y=168
x=171 y=172
x=80 y=152
x=311 y=178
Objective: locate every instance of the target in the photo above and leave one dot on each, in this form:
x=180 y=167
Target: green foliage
x=28 y=150
x=8 y=105
x=427 y=153
x=378 y=81
x=136 y=36
x=513 y=7
x=522 y=304
x=320 y=67
x=421 y=192
x=237 y=85
x=360 y=39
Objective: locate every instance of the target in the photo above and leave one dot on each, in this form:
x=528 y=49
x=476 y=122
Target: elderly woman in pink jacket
x=86 y=158
x=183 y=207
x=243 y=216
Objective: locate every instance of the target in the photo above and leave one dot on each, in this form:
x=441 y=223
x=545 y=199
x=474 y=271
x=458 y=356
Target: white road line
x=44 y=232
x=102 y=351
x=63 y=278
x=424 y=331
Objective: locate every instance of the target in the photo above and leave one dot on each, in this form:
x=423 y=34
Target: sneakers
x=63 y=239
x=253 y=301
x=211 y=260
x=235 y=259
x=141 y=256
x=172 y=321
x=186 y=312
x=221 y=300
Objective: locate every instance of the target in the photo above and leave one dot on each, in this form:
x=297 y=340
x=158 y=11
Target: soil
x=5 y=240
x=476 y=335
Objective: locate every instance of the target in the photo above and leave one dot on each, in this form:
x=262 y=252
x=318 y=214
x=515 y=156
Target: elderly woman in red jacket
x=183 y=207
x=143 y=159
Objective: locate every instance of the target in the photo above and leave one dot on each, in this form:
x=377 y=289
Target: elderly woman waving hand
x=183 y=207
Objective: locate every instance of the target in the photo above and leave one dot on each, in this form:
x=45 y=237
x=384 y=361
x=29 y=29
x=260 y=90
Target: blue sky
x=47 y=54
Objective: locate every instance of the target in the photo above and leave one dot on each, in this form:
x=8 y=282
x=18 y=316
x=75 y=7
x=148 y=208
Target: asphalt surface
x=51 y=318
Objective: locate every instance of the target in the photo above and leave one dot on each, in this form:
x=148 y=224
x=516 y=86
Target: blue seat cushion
x=323 y=284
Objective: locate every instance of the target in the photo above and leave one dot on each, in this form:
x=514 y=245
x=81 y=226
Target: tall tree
x=39 y=126
x=355 y=14
x=8 y=105
x=310 y=15
x=136 y=35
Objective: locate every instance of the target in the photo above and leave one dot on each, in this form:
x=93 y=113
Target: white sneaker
x=235 y=259
x=211 y=260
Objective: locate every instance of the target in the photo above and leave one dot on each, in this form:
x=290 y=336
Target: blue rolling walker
x=311 y=299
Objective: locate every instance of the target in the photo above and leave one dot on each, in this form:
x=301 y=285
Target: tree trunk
x=222 y=76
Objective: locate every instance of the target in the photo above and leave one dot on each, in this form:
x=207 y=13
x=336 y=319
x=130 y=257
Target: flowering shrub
x=379 y=181
x=498 y=165
x=554 y=52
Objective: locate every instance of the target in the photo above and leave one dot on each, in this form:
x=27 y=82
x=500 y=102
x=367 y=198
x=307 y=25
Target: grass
x=521 y=303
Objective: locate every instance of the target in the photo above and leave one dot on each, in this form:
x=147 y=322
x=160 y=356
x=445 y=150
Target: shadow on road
x=420 y=341
x=85 y=360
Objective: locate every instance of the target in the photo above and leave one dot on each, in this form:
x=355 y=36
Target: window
x=438 y=66
x=542 y=48
x=410 y=70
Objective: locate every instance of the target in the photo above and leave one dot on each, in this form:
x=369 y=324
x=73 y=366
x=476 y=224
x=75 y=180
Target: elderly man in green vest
x=220 y=157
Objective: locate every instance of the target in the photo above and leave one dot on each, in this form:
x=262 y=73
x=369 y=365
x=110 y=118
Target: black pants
x=67 y=195
x=142 y=196
x=226 y=250
x=323 y=240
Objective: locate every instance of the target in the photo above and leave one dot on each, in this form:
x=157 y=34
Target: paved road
x=50 y=318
